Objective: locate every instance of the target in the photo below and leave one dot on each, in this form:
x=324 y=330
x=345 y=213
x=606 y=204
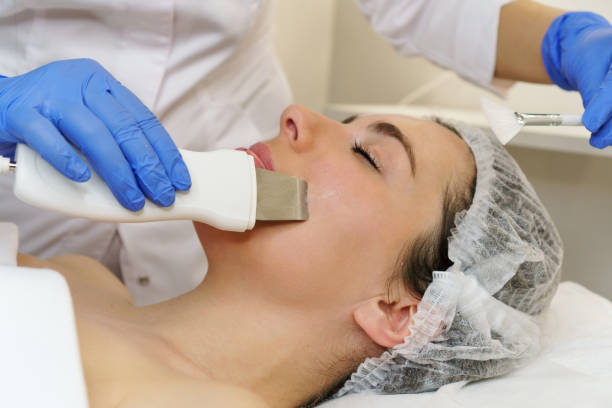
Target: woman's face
x=363 y=210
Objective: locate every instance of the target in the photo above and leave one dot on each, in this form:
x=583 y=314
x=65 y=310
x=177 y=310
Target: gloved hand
x=577 y=54
x=78 y=101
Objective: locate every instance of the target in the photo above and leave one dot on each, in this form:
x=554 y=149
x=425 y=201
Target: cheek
x=344 y=193
x=344 y=205
x=342 y=250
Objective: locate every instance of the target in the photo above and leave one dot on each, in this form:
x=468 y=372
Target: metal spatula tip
x=281 y=197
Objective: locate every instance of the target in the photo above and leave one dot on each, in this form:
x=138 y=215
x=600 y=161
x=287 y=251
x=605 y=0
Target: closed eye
x=359 y=149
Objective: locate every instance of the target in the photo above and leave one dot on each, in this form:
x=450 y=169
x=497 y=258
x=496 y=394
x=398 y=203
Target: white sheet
x=573 y=370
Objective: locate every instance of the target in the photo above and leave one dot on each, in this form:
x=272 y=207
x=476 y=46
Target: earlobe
x=386 y=323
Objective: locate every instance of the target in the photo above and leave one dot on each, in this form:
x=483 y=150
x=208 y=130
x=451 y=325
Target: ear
x=386 y=323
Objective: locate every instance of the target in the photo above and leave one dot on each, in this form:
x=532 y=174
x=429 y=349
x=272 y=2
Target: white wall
x=303 y=37
x=363 y=68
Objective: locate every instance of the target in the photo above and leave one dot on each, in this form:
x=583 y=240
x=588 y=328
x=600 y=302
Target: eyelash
x=359 y=149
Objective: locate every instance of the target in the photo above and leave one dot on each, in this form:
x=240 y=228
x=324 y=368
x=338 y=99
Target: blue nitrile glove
x=577 y=54
x=78 y=101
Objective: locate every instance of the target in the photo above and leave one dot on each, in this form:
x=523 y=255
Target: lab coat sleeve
x=10 y=8
x=457 y=34
x=13 y=7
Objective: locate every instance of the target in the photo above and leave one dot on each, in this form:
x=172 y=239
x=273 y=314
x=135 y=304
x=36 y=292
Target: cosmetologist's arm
x=522 y=26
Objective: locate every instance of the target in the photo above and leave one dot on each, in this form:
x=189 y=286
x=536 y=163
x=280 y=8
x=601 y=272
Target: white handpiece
x=223 y=192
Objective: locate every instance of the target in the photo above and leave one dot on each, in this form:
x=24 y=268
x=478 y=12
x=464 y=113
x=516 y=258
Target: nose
x=300 y=125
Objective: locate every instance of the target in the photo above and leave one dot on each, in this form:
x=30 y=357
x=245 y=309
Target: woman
x=289 y=310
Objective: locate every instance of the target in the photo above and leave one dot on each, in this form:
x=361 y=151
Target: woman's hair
x=429 y=251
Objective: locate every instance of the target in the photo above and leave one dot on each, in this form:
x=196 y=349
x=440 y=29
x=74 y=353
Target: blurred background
x=337 y=65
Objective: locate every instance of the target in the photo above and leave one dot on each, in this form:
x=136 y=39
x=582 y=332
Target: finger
x=599 y=110
x=603 y=137
x=156 y=134
x=94 y=140
x=145 y=164
x=36 y=131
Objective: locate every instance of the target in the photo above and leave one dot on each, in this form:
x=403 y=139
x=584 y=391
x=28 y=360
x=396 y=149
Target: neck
x=234 y=335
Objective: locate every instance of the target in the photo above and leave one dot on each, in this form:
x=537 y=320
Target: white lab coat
x=210 y=73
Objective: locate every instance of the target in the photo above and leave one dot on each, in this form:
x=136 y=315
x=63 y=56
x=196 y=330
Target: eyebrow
x=389 y=129
x=349 y=119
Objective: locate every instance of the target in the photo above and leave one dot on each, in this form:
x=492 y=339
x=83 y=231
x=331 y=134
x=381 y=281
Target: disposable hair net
x=479 y=318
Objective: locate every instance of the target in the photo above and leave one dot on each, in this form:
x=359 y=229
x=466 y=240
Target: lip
x=261 y=154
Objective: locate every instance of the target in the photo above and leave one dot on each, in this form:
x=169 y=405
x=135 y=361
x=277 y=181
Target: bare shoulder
x=84 y=275
x=62 y=263
x=187 y=393
x=32 y=261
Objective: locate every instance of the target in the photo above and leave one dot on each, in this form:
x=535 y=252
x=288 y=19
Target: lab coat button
x=143 y=280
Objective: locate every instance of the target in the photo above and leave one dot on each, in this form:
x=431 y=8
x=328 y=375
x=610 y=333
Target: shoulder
x=84 y=275
x=187 y=393
x=59 y=262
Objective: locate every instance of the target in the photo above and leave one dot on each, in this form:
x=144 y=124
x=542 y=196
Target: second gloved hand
x=78 y=101
x=577 y=54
